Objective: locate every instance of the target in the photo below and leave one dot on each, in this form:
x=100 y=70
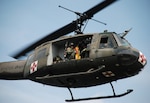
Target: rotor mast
x=79 y=21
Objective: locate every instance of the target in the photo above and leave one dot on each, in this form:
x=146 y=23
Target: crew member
x=77 y=53
x=70 y=51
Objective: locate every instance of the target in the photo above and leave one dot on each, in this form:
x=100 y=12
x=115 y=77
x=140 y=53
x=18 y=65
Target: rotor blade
x=67 y=28
x=98 y=8
x=54 y=35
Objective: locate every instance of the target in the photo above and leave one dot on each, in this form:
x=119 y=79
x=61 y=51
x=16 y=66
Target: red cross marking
x=142 y=59
x=108 y=74
x=33 y=67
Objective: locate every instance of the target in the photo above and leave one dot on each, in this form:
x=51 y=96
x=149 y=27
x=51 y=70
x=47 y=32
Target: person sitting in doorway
x=70 y=53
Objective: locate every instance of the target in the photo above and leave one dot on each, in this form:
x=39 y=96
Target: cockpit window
x=41 y=53
x=106 y=42
x=30 y=59
x=123 y=41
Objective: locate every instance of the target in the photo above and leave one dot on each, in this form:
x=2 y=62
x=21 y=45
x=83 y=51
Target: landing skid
x=101 y=97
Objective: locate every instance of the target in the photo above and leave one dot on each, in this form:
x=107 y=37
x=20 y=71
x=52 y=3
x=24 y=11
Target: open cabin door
x=59 y=47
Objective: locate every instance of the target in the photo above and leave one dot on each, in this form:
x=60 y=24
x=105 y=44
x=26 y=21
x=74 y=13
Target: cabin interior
x=59 y=47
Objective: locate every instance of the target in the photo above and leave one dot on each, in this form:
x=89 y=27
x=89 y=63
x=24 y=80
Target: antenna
x=125 y=33
x=79 y=22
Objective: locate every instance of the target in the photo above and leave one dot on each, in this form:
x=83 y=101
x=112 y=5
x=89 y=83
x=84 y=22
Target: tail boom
x=12 y=70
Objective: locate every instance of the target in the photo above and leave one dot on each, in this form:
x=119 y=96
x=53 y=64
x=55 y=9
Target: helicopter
x=99 y=58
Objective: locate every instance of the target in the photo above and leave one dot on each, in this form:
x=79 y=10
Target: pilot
x=85 y=51
x=85 y=48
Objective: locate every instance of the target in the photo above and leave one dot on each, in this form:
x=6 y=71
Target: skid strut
x=101 y=97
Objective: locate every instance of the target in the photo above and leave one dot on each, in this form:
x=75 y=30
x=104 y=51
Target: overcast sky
x=25 y=21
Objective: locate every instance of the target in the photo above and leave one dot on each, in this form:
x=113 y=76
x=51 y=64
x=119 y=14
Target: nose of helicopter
x=132 y=57
x=142 y=59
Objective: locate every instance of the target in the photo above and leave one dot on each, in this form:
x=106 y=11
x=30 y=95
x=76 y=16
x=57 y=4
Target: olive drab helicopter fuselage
x=81 y=60
x=104 y=57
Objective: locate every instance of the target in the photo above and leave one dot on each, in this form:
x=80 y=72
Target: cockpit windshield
x=123 y=41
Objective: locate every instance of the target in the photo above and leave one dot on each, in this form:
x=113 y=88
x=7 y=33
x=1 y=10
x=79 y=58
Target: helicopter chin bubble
x=128 y=57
